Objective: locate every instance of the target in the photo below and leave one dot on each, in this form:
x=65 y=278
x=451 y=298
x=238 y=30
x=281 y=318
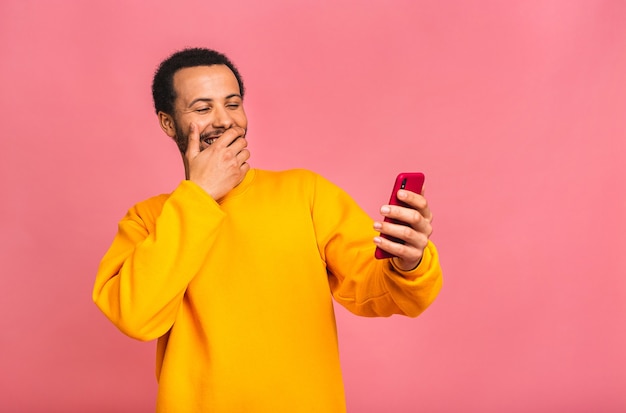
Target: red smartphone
x=411 y=181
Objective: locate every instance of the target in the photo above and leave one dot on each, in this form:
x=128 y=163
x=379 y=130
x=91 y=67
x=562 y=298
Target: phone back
x=411 y=181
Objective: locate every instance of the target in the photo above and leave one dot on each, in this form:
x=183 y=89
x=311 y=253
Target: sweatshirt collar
x=243 y=185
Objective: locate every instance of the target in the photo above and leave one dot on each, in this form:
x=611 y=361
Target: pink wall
x=515 y=110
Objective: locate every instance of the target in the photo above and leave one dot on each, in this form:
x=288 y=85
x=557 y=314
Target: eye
x=233 y=105
x=203 y=110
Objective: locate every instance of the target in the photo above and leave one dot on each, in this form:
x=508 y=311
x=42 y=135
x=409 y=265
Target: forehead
x=210 y=82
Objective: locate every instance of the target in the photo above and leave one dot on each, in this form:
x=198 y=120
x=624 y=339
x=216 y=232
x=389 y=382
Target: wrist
x=405 y=266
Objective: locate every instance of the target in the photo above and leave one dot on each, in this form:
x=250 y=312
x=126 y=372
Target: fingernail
x=402 y=194
x=378 y=225
x=385 y=210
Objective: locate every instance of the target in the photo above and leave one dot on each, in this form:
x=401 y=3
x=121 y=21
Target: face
x=208 y=96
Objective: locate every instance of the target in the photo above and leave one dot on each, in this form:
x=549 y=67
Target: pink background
x=516 y=112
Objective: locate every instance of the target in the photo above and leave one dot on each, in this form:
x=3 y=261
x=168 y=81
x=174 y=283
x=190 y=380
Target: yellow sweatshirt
x=238 y=293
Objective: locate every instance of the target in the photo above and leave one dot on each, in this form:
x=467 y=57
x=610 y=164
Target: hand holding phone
x=411 y=181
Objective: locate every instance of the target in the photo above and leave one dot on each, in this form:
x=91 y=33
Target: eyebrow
x=193 y=102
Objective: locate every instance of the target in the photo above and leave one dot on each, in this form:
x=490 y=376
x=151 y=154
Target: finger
x=245 y=167
x=239 y=144
x=406 y=252
x=239 y=150
x=411 y=218
x=407 y=215
x=243 y=156
x=415 y=201
x=230 y=136
x=193 y=142
x=412 y=235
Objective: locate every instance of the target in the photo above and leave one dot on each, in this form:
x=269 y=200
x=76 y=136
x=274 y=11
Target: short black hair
x=163 y=92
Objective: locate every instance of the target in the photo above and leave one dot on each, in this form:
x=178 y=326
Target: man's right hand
x=222 y=165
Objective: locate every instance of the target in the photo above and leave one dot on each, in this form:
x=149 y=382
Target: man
x=233 y=271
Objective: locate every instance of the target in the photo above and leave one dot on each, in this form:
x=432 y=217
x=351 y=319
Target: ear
x=167 y=124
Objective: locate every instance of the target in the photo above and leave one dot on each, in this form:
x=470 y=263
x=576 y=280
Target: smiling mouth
x=209 y=141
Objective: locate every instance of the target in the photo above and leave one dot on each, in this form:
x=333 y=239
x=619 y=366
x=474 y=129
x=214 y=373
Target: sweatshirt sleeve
x=362 y=284
x=142 y=278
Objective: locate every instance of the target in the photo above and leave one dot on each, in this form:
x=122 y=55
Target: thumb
x=193 y=142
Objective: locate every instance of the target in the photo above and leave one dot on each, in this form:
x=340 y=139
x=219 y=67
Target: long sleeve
x=142 y=278
x=238 y=292
x=362 y=284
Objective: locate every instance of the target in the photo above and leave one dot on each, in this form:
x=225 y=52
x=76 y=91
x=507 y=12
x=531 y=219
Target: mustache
x=182 y=138
x=212 y=134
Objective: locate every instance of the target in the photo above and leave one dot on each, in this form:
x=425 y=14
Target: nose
x=222 y=118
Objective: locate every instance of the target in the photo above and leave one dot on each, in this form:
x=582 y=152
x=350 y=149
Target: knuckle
x=417 y=217
x=422 y=241
x=229 y=156
x=407 y=232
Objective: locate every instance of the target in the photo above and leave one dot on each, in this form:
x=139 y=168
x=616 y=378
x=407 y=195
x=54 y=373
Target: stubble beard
x=182 y=139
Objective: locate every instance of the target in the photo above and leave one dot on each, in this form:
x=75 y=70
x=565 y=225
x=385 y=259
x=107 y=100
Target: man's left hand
x=415 y=235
